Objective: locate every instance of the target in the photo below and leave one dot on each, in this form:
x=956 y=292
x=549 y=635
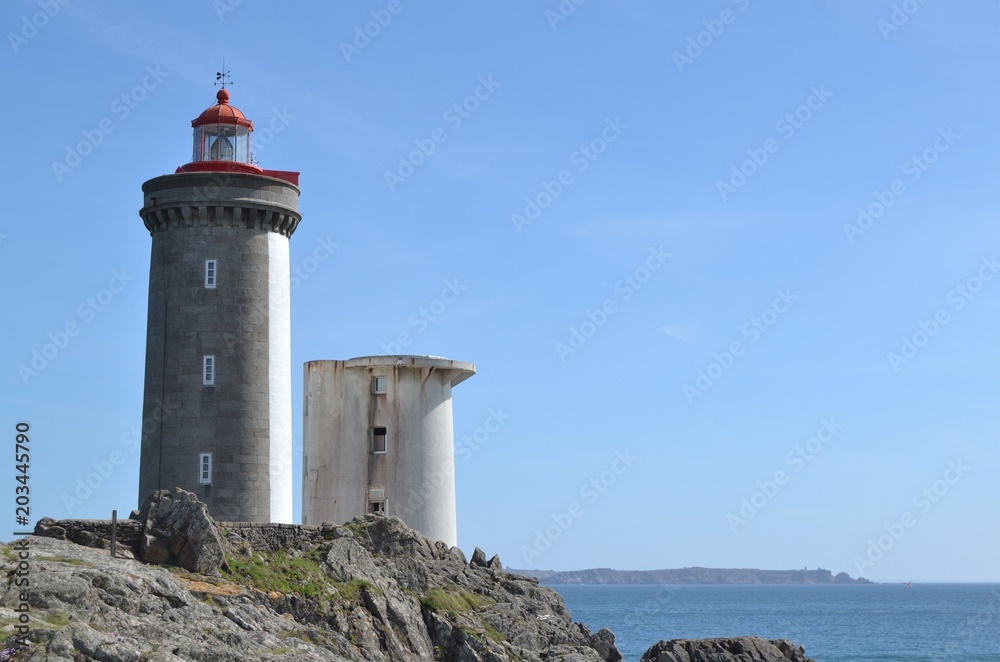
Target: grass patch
x=453 y=602
x=279 y=572
x=65 y=559
x=279 y=651
x=56 y=619
x=492 y=633
x=351 y=590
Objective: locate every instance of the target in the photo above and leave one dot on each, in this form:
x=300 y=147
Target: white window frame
x=211 y=274
x=385 y=441
x=380 y=381
x=205 y=469
x=208 y=370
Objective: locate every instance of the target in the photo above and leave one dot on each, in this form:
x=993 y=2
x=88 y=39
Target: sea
x=835 y=623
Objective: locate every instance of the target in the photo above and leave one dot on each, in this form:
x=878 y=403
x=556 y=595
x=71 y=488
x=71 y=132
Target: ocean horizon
x=885 y=622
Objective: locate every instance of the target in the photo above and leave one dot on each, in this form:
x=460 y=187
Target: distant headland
x=691 y=576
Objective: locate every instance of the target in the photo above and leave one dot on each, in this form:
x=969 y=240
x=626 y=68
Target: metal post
x=114 y=531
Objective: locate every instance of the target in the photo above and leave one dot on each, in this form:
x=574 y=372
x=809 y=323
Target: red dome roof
x=223 y=113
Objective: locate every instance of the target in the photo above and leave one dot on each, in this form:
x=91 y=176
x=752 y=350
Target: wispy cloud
x=683 y=330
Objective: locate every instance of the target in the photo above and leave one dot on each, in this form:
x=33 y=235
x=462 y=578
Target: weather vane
x=221 y=76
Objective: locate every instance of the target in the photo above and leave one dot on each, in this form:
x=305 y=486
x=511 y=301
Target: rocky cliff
x=183 y=587
x=369 y=590
x=691 y=576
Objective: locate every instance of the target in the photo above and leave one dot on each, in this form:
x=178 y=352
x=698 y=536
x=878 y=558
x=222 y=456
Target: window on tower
x=376 y=500
x=205 y=468
x=208 y=370
x=210 y=273
x=378 y=440
x=380 y=384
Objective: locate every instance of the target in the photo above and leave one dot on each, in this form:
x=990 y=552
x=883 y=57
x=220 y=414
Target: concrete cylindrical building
x=217 y=397
x=378 y=435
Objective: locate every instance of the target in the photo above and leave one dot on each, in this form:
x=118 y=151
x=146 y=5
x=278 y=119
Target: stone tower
x=217 y=399
x=378 y=436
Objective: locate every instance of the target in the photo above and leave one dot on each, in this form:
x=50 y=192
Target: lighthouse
x=217 y=401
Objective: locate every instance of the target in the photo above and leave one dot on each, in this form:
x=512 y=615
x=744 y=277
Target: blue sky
x=729 y=269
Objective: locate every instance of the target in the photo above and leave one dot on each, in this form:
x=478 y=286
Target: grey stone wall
x=194 y=218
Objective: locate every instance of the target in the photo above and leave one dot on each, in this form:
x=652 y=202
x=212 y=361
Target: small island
x=690 y=576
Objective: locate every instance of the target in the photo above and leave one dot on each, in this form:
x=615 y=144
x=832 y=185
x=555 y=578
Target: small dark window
x=208 y=370
x=210 y=273
x=378 y=440
x=376 y=506
x=205 y=468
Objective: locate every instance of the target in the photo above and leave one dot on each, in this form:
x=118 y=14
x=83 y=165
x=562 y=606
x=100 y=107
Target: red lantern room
x=223 y=143
x=222 y=140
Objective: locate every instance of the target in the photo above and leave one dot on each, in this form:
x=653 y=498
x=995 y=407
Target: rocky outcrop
x=171 y=528
x=91 y=532
x=370 y=590
x=692 y=576
x=737 y=649
x=178 y=530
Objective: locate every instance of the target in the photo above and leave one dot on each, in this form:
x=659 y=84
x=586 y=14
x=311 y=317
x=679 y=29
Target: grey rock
x=734 y=649
x=178 y=529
